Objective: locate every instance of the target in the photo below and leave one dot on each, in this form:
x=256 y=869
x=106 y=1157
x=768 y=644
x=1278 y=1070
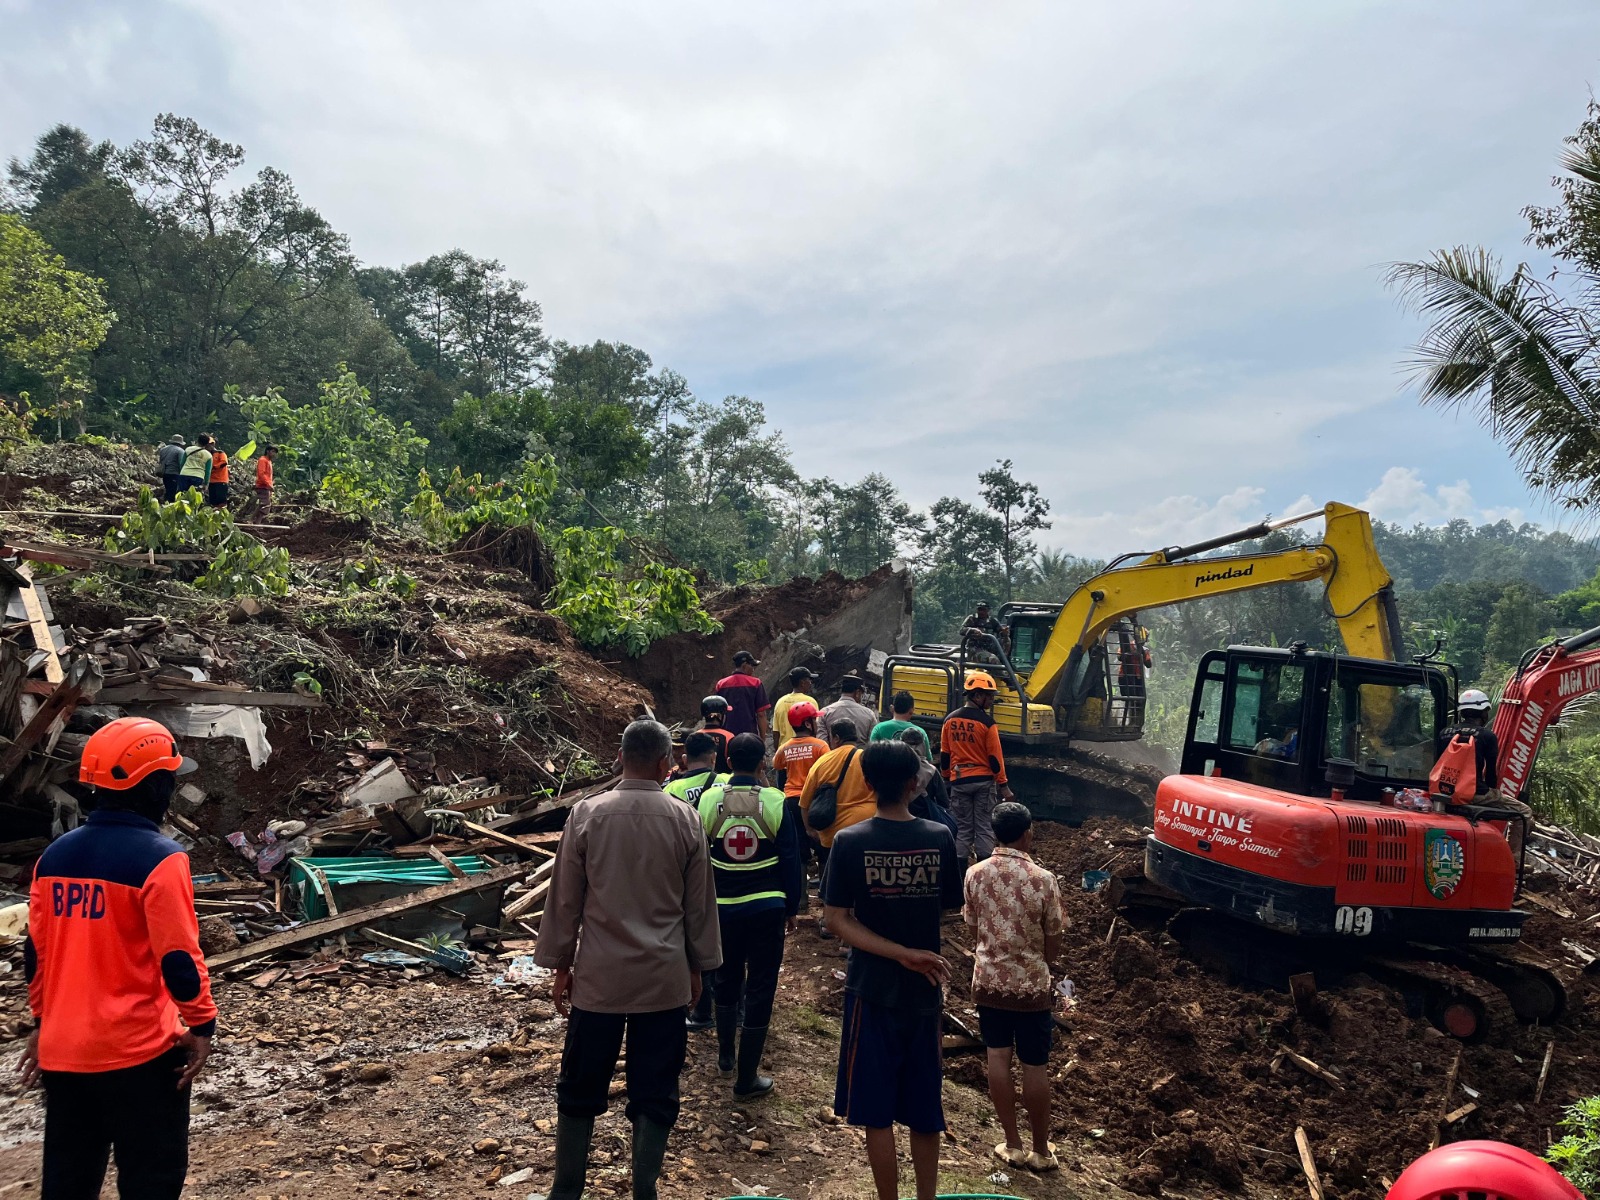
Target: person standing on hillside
x=714 y=711
x=633 y=876
x=801 y=686
x=195 y=470
x=747 y=698
x=116 y=978
x=890 y=880
x=262 y=500
x=217 y=492
x=848 y=707
x=974 y=766
x=1014 y=907
x=169 y=460
x=755 y=856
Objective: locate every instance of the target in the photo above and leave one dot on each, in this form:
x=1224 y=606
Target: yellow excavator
x=1075 y=672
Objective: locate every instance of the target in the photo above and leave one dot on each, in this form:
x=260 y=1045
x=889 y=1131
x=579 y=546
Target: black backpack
x=824 y=810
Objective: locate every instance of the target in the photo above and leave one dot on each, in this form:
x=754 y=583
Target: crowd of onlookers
x=685 y=880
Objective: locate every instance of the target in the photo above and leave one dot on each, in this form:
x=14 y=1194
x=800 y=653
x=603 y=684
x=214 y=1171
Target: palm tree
x=1522 y=353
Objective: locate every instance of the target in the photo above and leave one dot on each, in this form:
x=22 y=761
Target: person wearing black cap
x=746 y=696
x=801 y=687
x=848 y=707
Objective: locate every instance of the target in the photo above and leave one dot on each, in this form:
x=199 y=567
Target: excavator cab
x=1279 y=717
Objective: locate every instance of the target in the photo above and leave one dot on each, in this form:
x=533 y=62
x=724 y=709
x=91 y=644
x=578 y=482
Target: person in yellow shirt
x=801 y=689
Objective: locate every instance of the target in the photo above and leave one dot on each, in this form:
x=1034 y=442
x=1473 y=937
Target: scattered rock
x=372 y=1072
x=217 y=935
x=486 y=1146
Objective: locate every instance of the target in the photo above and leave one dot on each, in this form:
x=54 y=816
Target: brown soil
x=1172 y=1064
x=681 y=669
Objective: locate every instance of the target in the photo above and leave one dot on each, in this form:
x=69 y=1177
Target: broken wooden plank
x=356 y=918
x=1460 y=1114
x=1539 y=901
x=1444 y=1104
x=1544 y=1072
x=1311 y=1068
x=439 y=857
x=72 y=512
x=1308 y=1163
x=152 y=693
x=57 y=706
x=520 y=906
x=494 y=835
x=41 y=628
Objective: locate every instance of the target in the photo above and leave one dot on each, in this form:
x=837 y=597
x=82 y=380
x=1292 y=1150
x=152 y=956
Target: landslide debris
x=1169 y=1066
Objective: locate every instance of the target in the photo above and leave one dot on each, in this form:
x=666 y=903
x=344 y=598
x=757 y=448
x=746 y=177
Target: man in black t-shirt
x=889 y=880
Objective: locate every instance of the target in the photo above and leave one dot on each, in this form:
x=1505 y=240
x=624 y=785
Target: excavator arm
x=1359 y=592
x=1548 y=679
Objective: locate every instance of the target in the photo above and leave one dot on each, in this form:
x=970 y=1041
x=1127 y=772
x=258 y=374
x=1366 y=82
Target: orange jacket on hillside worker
x=263 y=472
x=219 y=467
x=113 y=956
x=969 y=747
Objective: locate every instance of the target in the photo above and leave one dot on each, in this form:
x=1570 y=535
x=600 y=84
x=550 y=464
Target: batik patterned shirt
x=1013 y=904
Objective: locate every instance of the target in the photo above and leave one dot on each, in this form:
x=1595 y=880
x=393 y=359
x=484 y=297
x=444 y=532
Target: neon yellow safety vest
x=742 y=825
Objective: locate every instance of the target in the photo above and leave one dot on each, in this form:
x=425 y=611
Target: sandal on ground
x=1012 y=1156
x=1042 y=1162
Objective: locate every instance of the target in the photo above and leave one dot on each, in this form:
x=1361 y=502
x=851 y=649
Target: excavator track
x=1469 y=994
x=1076 y=785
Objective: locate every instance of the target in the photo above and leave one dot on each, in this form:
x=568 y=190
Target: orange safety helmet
x=980 y=681
x=121 y=753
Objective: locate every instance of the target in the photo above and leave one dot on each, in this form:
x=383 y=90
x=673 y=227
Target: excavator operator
x=981 y=623
x=1465 y=772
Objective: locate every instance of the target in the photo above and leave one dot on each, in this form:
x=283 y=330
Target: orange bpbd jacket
x=113 y=956
x=969 y=747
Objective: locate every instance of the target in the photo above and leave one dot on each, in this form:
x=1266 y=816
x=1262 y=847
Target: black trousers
x=169 y=488
x=138 y=1112
x=752 y=952
x=657 y=1046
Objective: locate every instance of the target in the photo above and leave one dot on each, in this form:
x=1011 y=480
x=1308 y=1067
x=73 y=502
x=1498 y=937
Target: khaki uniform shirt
x=845 y=708
x=632 y=905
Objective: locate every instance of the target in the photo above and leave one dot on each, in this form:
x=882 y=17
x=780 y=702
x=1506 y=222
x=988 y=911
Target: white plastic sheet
x=217 y=720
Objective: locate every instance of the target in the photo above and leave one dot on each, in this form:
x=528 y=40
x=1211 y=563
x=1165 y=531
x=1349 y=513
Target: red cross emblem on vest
x=740 y=844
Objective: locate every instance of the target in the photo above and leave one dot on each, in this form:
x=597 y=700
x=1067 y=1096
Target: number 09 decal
x=1357 y=921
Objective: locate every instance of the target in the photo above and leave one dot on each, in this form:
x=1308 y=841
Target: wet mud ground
x=356 y=1081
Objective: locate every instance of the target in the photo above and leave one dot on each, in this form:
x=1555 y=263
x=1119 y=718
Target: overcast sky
x=1136 y=247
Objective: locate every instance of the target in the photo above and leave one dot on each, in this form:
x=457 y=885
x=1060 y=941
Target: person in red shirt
x=746 y=696
x=116 y=979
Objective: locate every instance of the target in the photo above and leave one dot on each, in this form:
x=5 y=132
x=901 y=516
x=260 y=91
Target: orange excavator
x=1300 y=832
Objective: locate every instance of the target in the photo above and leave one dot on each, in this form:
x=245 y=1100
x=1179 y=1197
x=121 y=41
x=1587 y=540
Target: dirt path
x=338 y=1087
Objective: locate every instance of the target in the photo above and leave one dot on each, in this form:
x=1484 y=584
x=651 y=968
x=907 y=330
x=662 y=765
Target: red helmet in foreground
x=1492 y=1170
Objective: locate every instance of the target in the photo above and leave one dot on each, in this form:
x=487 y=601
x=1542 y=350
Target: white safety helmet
x=1472 y=700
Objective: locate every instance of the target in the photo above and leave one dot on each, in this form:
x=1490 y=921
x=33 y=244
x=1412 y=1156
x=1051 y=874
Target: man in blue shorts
x=889 y=879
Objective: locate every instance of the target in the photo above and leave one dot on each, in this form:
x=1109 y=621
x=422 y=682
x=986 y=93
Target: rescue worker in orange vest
x=970 y=757
x=116 y=979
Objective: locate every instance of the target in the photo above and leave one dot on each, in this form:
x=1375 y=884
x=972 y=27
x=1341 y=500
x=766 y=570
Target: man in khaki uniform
x=634 y=874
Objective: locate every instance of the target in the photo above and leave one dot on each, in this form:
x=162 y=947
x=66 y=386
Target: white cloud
x=1401 y=497
x=1134 y=248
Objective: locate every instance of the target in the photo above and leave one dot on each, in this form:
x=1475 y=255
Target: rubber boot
x=750 y=1082
x=727 y=1028
x=573 y=1135
x=649 y=1148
